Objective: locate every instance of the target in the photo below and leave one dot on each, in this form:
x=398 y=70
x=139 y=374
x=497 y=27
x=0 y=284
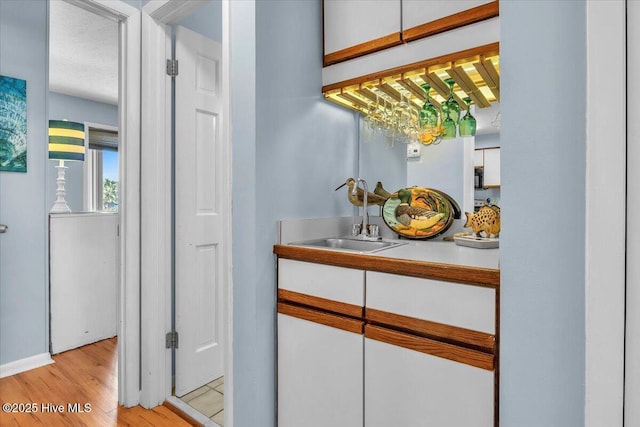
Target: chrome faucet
x=364 y=232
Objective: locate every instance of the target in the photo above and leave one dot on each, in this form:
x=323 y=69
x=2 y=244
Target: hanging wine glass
x=428 y=119
x=448 y=127
x=468 y=122
x=369 y=122
x=413 y=130
x=402 y=117
x=428 y=113
x=452 y=106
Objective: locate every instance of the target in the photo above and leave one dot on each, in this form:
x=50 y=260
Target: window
x=101 y=169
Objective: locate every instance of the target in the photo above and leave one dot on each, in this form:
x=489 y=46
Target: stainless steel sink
x=350 y=244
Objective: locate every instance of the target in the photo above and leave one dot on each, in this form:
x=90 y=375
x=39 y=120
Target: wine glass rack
x=476 y=72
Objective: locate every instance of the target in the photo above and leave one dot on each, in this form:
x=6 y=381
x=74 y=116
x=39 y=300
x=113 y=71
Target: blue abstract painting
x=13 y=124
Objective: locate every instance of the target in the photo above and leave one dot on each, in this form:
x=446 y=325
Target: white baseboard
x=25 y=364
x=192 y=412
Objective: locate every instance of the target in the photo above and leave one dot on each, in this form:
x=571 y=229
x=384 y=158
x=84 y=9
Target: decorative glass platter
x=419 y=213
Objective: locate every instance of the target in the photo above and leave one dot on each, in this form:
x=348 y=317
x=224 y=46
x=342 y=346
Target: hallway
x=79 y=389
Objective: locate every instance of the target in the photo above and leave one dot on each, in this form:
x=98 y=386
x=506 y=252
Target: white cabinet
x=320 y=345
x=84 y=263
x=418 y=12
x=427 y=356
x=319 y=375
x=409 y=388
x=428 y=353
x=487 y=160
x=491 y=167
x=354 y=28
x=478 y=158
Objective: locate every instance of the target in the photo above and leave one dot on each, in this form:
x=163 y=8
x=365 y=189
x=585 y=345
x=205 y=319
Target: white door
x=199 y=212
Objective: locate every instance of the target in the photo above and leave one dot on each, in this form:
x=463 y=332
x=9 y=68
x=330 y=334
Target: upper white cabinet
x=491 y=167
x=354 y=28
x=478 y=158
x=422 y=18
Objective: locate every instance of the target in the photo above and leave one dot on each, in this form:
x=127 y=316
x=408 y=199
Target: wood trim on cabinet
x=332 y=320
x=457 y=20
x=486 y=50
x=459 y=354
x=451 y=334
x=324 y=304
x=361 y=49
x=476 y=276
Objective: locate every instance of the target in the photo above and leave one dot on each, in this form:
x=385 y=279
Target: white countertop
x=444 y=253
x=436 y=250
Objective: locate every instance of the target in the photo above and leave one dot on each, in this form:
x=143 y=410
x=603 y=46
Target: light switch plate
x=413 y=151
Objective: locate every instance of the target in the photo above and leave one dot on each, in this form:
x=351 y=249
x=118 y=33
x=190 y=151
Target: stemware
x=428 y=113
x=448 y=127
x=428 y=119
x=451 y=106
x=467 y=126
x=402 y=114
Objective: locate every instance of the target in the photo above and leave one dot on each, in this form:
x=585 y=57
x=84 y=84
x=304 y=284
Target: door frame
x=632 y=361
x=156 y=178
x=605 y=203
x=128 y=328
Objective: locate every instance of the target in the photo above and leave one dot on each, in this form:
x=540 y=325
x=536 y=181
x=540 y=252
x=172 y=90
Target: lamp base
x=60 y=206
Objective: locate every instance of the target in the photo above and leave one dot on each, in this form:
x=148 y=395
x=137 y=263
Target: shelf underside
x=476 y=73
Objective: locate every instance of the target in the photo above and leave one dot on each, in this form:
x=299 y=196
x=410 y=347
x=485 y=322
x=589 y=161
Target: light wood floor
x=87 y=375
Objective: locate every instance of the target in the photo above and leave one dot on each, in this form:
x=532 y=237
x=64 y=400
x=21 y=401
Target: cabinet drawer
x=324 y=281
x=464 y=306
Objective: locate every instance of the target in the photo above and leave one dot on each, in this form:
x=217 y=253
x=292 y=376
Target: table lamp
x=66 y=143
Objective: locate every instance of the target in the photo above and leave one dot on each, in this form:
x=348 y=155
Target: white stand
x=60 y=206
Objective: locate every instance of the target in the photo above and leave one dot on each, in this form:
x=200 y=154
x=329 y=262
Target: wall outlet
x=413 y=151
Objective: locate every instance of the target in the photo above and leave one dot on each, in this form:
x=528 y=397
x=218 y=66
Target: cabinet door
x=412 y=389
x=478 y=158
x=491 y=167
x=357 y=27
x=422 y=18
x=320 y=375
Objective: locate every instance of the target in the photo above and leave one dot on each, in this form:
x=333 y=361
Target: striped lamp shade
x=66 y=140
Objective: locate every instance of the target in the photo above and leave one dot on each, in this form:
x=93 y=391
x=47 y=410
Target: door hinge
x=172 y=340
x=172 y=67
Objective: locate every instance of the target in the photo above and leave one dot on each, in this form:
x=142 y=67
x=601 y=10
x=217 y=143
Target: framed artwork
x=13 y=124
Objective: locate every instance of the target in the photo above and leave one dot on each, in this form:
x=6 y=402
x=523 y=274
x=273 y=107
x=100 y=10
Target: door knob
x=3 y=228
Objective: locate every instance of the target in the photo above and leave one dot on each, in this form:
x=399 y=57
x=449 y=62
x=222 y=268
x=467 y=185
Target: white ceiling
x=83 y=53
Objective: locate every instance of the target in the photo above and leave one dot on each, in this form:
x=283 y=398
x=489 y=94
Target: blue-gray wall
x=287 y=166
x=542 y=243
x=76 y=110
x=23 y=273
x=277 y=158
x=379 y=160
x=207 y=20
